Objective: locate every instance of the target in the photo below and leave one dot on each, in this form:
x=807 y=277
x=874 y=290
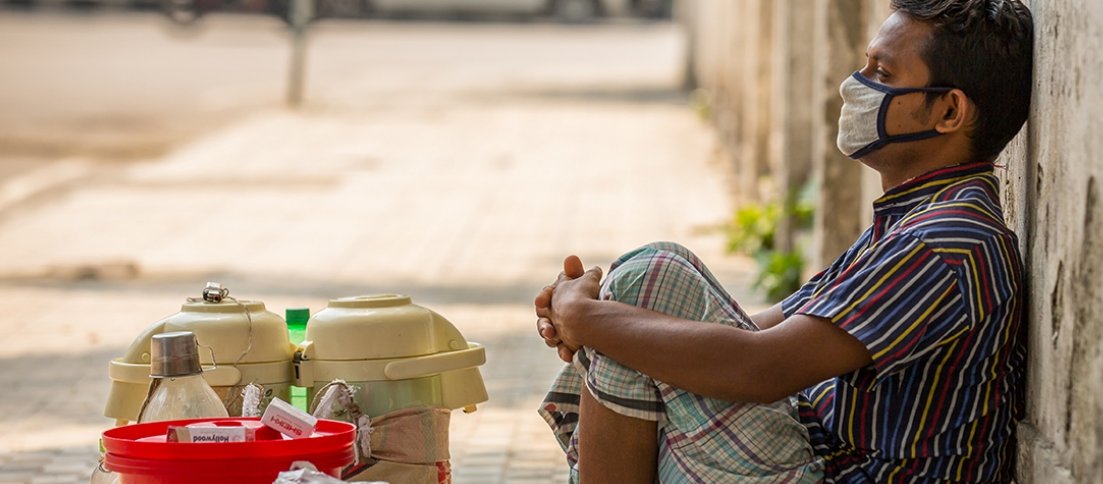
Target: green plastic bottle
x=296 y=330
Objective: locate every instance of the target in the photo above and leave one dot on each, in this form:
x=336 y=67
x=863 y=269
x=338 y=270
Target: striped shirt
x=933 y=289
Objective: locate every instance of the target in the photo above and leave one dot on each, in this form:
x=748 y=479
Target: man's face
x=894 y=59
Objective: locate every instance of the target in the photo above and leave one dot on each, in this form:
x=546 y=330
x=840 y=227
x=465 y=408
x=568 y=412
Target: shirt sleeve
x=899 y=298
x=795 y=301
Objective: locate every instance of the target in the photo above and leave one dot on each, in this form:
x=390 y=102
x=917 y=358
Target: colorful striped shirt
x=934 y=290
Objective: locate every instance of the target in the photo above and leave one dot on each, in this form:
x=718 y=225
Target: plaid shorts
x=700 y=439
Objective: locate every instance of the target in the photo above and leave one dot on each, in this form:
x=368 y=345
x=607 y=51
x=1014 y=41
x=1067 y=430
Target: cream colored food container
x=397 y=353
x=256 y=351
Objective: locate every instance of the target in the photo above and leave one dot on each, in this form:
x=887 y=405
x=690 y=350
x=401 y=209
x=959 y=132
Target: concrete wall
x=771 y=70
x=1053 y=199
x=1052 y=194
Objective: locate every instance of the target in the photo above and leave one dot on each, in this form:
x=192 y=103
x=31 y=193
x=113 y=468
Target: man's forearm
x=713 y=360
x=769 y=318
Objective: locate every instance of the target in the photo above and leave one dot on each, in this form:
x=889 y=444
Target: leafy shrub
x=753 y=231
x=753 y=228
x=779 y=273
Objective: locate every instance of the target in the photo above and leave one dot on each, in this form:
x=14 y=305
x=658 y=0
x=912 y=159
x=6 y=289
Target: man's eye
x=882 y=73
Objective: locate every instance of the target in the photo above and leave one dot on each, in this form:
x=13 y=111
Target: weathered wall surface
x=771 y=70
x=1052 y=191
x=1053 y=198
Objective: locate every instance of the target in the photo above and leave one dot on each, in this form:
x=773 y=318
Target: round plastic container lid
x=371 y=301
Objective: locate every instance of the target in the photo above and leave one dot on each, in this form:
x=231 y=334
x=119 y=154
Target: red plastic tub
x=140 y=454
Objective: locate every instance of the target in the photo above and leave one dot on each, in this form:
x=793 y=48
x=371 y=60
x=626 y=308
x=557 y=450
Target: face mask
x=865 y=107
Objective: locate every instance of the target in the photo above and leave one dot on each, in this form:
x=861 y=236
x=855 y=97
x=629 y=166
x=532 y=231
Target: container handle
x=422 y=366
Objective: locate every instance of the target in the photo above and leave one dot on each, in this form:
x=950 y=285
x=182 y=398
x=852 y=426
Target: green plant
x=753 y=230
x=802 y=207
x=779 y=273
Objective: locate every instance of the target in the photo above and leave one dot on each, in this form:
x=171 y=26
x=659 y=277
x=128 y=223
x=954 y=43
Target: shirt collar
x=906 y=196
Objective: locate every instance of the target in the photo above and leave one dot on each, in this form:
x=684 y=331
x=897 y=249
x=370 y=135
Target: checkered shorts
x=700 y=439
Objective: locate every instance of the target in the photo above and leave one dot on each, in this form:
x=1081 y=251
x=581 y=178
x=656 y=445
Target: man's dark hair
x=985 y=48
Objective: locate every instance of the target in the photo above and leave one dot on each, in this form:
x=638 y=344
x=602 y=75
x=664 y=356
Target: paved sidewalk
x=468 y=205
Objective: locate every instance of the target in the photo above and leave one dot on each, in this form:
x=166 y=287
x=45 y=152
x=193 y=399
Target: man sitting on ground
x=902 y=361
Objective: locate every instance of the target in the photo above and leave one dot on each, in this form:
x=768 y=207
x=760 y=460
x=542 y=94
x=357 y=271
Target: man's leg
x=708 y=439
x=613 y=447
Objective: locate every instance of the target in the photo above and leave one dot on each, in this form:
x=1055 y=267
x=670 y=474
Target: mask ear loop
x=907 y=137
x=882 y=119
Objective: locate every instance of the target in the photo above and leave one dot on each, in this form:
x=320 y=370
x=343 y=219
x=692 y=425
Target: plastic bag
x=303 y=472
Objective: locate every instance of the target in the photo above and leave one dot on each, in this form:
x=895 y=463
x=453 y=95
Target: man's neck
x=905 y=172
x=899 y=166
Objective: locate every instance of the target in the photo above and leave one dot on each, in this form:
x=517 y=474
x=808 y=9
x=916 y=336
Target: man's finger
x=543 y=312
x=572 y=267
x=563 y=277
x=594 y=272
x=547 y=332
x=565 y=353
x=544 y=297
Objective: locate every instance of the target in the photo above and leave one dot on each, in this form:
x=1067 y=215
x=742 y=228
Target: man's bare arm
x=708 y=359
x=573 y=269
x=769 y=318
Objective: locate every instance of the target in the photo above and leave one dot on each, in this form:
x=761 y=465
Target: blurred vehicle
x=188 y=11
x=568 y=10
x=652 y=8
x=83 y=4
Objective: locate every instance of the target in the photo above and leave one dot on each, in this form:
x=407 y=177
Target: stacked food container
x=405 y=366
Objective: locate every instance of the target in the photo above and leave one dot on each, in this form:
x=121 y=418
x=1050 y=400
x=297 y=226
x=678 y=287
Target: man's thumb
x=572 y=267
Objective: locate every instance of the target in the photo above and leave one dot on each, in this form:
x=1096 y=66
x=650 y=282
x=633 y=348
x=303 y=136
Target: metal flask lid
x=174 y=354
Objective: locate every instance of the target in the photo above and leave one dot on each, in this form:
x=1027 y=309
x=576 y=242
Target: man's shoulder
x=961 y=216
x=964 y=226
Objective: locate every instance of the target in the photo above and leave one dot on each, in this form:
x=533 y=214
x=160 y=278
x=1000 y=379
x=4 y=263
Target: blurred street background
x=454 y=156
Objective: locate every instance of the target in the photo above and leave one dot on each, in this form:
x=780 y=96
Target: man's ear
x=955 y=111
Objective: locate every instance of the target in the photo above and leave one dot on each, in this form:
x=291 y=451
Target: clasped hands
x=559 y=316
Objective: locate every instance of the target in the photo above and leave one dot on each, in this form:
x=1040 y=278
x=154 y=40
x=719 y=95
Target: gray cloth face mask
x=865 y=107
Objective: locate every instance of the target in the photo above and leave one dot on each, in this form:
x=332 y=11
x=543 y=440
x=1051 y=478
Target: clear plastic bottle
x=180 y=398
x=178 y=390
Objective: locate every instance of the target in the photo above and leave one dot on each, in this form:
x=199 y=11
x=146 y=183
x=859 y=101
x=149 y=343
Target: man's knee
x=654 y=273
x=661 y=246
x=668 y=278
